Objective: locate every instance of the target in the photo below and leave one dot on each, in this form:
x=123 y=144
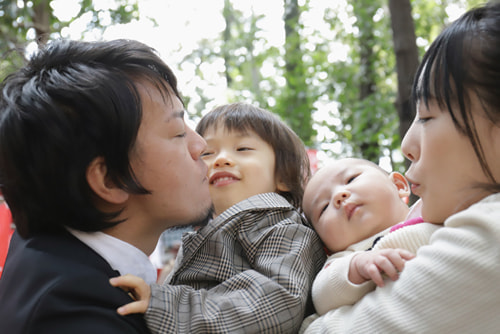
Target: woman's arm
x=450 y=286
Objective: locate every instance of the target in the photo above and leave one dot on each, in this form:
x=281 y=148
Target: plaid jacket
x=250 y=270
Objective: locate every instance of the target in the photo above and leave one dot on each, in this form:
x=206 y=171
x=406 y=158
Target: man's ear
x=101 y=185
x=401 y=183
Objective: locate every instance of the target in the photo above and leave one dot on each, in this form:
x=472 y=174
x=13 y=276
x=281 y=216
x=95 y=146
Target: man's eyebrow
x=176 y=114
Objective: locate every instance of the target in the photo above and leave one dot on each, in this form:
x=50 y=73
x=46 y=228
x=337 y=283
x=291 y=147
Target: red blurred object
x=6 y=230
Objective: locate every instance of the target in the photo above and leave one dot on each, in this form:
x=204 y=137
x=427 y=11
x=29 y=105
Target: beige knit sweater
x=451 y=286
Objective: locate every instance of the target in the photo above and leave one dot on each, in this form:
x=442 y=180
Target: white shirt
x=120 y=255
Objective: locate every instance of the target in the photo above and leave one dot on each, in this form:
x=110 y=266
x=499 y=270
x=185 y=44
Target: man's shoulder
x=41 y=264
x=57 y=253
x=52 y=276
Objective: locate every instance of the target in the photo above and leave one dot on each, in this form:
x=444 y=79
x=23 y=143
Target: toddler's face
x=240 y=165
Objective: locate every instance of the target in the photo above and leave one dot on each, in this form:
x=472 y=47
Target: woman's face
x=444 y=167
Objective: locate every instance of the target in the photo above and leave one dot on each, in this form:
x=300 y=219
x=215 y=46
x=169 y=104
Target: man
x=96 y=162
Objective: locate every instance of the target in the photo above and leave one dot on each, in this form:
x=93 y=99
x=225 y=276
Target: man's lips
x=222 y=178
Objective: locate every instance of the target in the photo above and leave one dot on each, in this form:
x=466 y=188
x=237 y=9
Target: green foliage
x=124 y=11
x=22 y=23
x=246 y=53
x=308 y=72
x=295 y=103
x=364 y=84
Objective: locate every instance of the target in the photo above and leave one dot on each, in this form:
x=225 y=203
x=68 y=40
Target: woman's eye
x=243 y=149
x=206 y=154
x=424 y=119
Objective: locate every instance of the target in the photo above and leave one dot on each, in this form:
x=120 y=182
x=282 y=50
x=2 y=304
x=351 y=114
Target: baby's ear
x=401 y=183
x=98 y=180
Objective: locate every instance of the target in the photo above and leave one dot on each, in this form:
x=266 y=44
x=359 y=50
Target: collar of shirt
x=120 y=255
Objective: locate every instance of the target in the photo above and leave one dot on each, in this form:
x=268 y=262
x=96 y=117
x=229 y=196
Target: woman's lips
x=414 y=186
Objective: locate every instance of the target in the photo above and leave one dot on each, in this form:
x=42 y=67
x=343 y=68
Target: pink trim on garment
x=413 y=221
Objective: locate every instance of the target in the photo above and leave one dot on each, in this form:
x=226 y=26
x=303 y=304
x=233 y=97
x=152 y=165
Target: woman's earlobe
x=103 y=187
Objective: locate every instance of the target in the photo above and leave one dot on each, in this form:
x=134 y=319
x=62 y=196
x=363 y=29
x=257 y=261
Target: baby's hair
x=292 y=163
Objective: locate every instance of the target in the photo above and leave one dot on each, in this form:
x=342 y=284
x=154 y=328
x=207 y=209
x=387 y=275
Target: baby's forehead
x=336 y=167
x=347 y=164
x=336 y=170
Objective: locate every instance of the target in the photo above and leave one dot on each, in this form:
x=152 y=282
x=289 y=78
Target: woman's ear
x=101 y=185
x=401 y=183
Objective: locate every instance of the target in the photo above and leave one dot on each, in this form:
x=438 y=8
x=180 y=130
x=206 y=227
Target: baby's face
x=350 y=200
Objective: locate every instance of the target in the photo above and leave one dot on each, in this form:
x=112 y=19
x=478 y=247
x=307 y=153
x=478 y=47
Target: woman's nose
x=409 y=145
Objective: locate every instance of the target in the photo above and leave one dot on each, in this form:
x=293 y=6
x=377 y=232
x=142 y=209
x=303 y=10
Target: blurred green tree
x=33 y=21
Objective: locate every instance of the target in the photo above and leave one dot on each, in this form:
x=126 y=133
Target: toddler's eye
x=243 y=149
x=206 y=154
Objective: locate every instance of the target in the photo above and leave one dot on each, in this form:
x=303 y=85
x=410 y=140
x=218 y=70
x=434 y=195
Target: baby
x=355 y=206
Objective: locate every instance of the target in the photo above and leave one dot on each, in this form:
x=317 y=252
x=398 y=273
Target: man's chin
x=200 y=221
x=204 y=219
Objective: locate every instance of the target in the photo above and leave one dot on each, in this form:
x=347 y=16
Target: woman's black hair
x=462 y=61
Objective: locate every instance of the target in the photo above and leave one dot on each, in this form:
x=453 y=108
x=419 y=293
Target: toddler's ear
x=281 y=186
x=99 y=182
x=401 y=183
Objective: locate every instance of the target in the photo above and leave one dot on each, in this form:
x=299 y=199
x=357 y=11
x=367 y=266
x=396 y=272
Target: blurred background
x=338 y=72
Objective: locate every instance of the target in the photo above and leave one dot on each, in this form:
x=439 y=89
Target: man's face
x=166 y=161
